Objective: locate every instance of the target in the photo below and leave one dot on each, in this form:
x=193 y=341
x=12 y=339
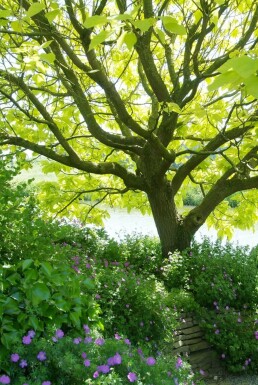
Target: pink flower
x=132 y=377
x=150 y=361
x=95 y=374
x=117 y=336
x=179 y=363
x=202 y=372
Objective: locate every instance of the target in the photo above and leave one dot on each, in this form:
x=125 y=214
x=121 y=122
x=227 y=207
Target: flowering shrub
x=62 y=360
x=223 y=282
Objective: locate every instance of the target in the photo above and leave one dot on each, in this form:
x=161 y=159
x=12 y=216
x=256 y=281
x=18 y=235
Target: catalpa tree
x=136 y=102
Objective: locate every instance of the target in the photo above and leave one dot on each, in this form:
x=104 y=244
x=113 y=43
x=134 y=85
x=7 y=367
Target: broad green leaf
x=11 y=307
x=47 y=268
x=130 y=39
x=171 y=24
x=48 y=57
x=144 y=25
x=52 y=15
x=5 y=13
x=226 y=78
x=35 y=8
x=17 y=25
x=89 y=284
x=34 y=322
x=123 y=17
x=92 y=21
x=252 y=85
x=98 y=39
x=75 y=318
x=39 y=292
x=161 y=35
x=245 y=66
x=26 y=263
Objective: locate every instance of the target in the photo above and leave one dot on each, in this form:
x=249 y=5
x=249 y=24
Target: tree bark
x=174 y=234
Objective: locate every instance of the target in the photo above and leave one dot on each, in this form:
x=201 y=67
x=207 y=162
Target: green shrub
x=223 y=283
x=89 y=358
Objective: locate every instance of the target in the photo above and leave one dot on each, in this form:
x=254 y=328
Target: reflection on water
x=121 y=222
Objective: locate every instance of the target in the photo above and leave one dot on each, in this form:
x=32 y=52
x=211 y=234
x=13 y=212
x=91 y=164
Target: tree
x=149 y=97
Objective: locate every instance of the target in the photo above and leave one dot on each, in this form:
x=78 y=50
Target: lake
x=121 y=222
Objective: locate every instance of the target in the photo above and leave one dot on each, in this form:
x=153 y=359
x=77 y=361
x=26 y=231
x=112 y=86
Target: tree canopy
x=136 y=102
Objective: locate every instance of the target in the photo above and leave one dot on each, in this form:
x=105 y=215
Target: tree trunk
x=174 y=234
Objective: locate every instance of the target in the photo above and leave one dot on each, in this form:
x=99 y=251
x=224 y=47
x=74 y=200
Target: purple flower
x=103 y=369
x=97 y=296
x=117 y=336
x=215 y=303
x=26 y=340
x=99 y=341
x=132 y=377
x=86 y=329
x=169 y=374
x=117 y=359
x=223 y=356
x=239 y=320
x=150 y=361
x=86 y=362
x=140 y=352
x=46 y=383
x=15 y=357
x=256 y=335
x=5 y=379
x=31 y=333
x=23 y=363
x=216 y=331
x=127 y=342
x=202 y=372
x=87 y=340
x=88 y=265
x=59 y=333
x=84 y=355
x=176 y=381
x=41 y=356
x=95 y=374
x=77 y=340
x=179 y=363
x=110 y=361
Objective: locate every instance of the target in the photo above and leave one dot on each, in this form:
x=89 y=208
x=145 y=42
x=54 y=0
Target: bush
x=58 y=359
x=223 y=283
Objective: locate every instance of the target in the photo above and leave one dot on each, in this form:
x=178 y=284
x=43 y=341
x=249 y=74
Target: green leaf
x=89 y=284
x=52 y=15
x=252 y=85
x=11 y=307
x=75 y=318
x=39 y=292
x=98 y=39
x=227 y=78
x=47 y=268
x=144 y=25
x=48 y=57
x=5 y=13
x=130 y=39
x=171 y=24
x=26 y=263
x=34 y=9
x=92 y=21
